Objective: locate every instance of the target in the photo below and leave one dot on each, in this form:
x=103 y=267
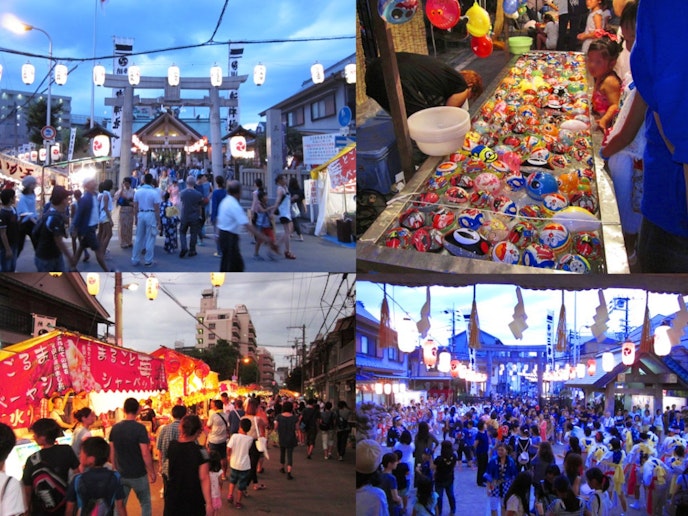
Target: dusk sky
x=173 y=23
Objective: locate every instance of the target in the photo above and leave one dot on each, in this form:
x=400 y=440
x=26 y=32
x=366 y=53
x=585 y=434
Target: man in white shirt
x=147 y=220
x=231 y=219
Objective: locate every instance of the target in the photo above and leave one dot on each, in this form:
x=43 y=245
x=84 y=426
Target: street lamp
x=17 y=26
x=245 y=360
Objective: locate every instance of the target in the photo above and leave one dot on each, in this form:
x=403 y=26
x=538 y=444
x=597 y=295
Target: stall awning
x=59 y=362
x=186 y=375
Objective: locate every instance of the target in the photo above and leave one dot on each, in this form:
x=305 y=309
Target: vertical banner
x=471 y=359
x=120 y=66
x=72 y=138
x=550 y=338
x=235 y=53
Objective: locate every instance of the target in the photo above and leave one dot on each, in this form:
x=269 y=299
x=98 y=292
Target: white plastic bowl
x=439 y=131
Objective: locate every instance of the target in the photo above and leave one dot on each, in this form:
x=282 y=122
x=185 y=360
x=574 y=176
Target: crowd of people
x=98 y=472
x=633 y=458
x=183 y=207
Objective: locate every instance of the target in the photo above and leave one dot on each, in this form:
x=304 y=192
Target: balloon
x=443 y=14
x=510 y=6
x=478 y=21
x=481 y=47
x=397 y=12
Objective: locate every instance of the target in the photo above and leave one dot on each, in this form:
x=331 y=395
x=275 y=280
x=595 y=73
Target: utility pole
x=303 y=352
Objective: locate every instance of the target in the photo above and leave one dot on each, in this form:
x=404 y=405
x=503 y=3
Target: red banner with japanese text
x=58 y=362
x=342 y=171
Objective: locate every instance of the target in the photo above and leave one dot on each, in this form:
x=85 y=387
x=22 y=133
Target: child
x=403 y=475
x=97 y=487
x=11 y=500
x=601 y=59
x=264 y=224
x=548 y=37
x=388 y=483
x=594 y=24
x=215 y=464
x=599 y=499
x=239 y=462
x=614 y=460
x=426 y=500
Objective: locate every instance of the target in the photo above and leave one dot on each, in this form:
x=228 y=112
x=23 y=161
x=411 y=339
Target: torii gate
x=172 y=97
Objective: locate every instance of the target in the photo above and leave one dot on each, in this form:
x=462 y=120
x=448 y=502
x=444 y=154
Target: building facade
x=231 y=324
x=266 y=368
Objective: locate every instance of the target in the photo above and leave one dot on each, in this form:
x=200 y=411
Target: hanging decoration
x=407 y=335
x=580 y=371
x=397 y=12
x=561 y=327
x=424 y=323
x=385 y=336
x=628 y=353
x=350 y=73
x=443 y=14
x=592 y=367
x=173 y=75
x=662 y=340
x=378 y=388
x=430 y=353
x=646 y=339
x=28 y=73
x=134 y=75
x=99 y=75
x=601 y=317
x=216 y=76
x=152 y=286
x=317 y=73
x=387 y=389
x=478 y=21
x=454 y=368
x=61 y=73
x=481 y=47
x=93 y=283
x=217 y=279
x=471 y=359
x=607 y=361
x=474 y=326
x=444 y=362
x=549 y=344
x=679 y=323
x=518 y=324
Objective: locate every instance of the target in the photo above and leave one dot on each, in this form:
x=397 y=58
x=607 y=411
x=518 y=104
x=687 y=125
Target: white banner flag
x=43 y=324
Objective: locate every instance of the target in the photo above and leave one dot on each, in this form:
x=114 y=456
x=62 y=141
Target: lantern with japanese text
x=592 y=367
x=173 y=75
x=662 y=341
x=93 y=283
x=317 y=73
x=61 y=74
x=444 y=362
x=134 y=75
x=100 y=145
x=407 y=335
x=580 y=371
x=350 y=73
x=98 y=75
x=454 y=368
x=172 y=363
x=607 y=361
x=628 y=353
x=28 y=73
x=152 y=286
x=429 y=353
x=259 y=72
x=216 y=76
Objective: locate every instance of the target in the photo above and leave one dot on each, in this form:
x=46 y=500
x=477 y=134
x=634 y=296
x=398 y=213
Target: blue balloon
x=510 y=6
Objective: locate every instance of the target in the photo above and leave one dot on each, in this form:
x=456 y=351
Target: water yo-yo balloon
x=481 y=47
x=478 y=21
x=397 y=12
x=443 y=14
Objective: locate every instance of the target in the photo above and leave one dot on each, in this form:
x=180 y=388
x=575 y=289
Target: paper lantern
x=173 y=75
x=378 y=388
x=350 y=73
x=202 y=370
x=454 y=368
x=172 y=363
x=317 y=73
x=628 y=353
x=34 y=155
x=217 y=279
x=28 y=73
x=430 y=353
x=462 y=371
x=444 y=362
x=580 y=371
x=259 y=72
x=98 y=75
x=237 y=146
x=395 y=388
x=55 y=152
x=387 y=388
x=152 y=286
x=216 y=76
x=662 y=341
x=407 y=335
x=100 y=145
x=592 y=367
x=93 y=283
x=607 y=361
x=134 y=75
x=61 y=74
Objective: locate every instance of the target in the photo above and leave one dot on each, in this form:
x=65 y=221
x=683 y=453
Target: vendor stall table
x=513 y=85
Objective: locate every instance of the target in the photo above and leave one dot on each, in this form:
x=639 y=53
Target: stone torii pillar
x=172 y=97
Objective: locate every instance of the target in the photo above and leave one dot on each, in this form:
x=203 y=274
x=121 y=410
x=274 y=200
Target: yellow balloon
x=478 y=21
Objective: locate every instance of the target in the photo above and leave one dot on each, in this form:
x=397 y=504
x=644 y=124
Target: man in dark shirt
x=425 y=82
x=9 y=231
x=190 y=216
x=50 y=234
x=309 y=417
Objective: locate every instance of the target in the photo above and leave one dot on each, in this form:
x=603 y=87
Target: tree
x=294 y=380
x=35 y=119
x=248 y=373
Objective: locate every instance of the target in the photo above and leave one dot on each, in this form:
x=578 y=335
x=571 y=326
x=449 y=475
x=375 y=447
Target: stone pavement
x=319 y=487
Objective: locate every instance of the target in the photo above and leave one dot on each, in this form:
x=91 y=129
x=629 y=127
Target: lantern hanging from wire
x=607 y=361
x=387 y=388
x=317 y=73
x=407 y=335
x=61 y=73
x=628 y=353
x=216 y=76
x=152 y=286
x=444 y=362
x=134 y=75
x=429 y=353
x=217 y=279
x=378 y=388
x=259 y=72
x=173 y=75
x=592 y=367
x=99 y=75
x=580 y=371
x=93 y=283
x=350 y=73
x=454 y=368
x=662 y=344
x=28 y=73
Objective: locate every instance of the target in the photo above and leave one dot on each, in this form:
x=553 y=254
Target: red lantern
x=202 y=370
x=628 y=353
x=481 y=47
x=454 y=371
x=592 y=367
x=443 y=14
x=172 y=363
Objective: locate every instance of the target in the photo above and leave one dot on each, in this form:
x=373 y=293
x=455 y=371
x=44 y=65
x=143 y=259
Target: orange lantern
x=430 y=353
x=592 y=367
x=172 y=363
x=455 y=368
x=628 y=353
x=202 y=370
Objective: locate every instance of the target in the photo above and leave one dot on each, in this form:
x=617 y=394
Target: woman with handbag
x=297 y=208
x=124 y=198
x=257 y=431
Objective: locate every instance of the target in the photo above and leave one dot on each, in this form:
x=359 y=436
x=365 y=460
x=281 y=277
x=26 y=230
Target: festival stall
x=13 y=170
x=337 y=187
x=189 y=379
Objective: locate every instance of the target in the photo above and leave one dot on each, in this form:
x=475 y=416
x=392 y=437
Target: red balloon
x=443 y=14
x=481 y=47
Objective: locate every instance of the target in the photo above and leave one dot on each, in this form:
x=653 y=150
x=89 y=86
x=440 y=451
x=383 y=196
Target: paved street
x=319 y=487
x=314 y=254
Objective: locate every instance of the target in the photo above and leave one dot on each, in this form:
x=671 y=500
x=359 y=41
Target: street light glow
x=14 y=24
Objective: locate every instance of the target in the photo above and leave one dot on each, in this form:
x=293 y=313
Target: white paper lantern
x=463 y=369
x=34 y=155
x=41 y=154
x=0 y=72
x=407 y=335
x=628 y=353
x=378 y=388
x=217 y=279
x=100 y=145
x=134 y=75
x=54 y=152
x=444 y=362
x=173 y=75
x=93 y=283
x=350 y=73
x=152 y=286
x=61 y=73
x=317 y=73
x=28 y=73
x=395 y=388
x=607 y=361
x=580 y=370
x=98 y=75
x=237 y=146
x=216 y=76
x=430 y=353
x=259 y=74
x=387 y=388
x=662 y=341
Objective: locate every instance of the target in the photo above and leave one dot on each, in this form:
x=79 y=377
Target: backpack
x=37 y=229
x=342 y=423
x=326 y=423
x=93 y=506
x=523 y=456
x=50 y=490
